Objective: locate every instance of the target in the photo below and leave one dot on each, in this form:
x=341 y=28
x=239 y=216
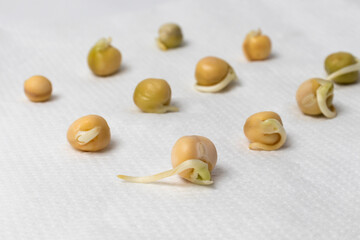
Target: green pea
x=103 y=58
x=339 y=60
x=153 y=95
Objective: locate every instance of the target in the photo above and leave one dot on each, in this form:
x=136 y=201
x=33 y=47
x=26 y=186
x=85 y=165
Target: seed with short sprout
x=315 y=96
x=342 y=67
x=153 y=95
x=38 y=88
x=89 y=133
x=192 y=157
x=213 y=74
x=170 y=36
x=265 y=131
x=103 y=58
x=256 y=46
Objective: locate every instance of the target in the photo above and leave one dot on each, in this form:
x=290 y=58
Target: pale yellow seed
x=38 y=88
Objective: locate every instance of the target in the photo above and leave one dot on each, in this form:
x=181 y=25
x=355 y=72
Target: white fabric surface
x=309 y=189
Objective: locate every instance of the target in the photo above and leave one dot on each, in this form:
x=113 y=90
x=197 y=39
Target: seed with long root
x=192 y=157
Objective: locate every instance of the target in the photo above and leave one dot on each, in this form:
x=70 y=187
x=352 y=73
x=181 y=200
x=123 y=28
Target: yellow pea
x=256 y=46
x=213 y=74
x=38 y=88
x=193 y=147
x=90 y=133
x=265 y=131
x=315 y=97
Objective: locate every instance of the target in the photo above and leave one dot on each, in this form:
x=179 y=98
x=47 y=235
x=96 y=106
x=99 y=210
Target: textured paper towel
x=309 y=189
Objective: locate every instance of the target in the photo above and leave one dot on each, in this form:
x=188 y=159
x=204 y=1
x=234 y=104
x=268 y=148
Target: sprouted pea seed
x=213 y=74
x=265 y=131
x=342 y=67
x=153 y=95
x=170 y=36
x=89 y=133
x=103 y=58
x=315 y=96
x=192 y=157
x=256 y=46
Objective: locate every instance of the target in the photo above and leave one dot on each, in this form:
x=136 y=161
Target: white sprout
x=84 y=137
x=201 y=174
x=270 y=126
x=345 y=70
x=325 y=91
x=166 y=108
x=103 y=43
x=231 y=76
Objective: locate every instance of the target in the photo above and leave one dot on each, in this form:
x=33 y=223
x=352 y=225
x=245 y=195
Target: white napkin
x=309 y=189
